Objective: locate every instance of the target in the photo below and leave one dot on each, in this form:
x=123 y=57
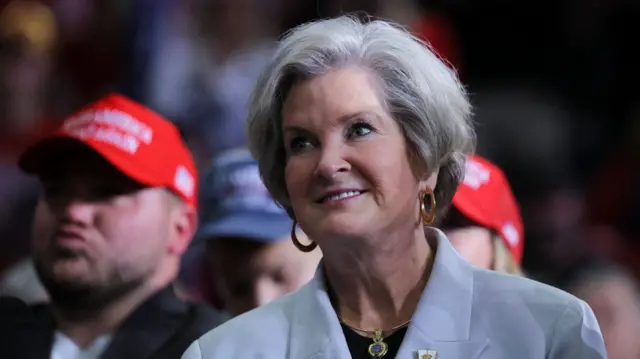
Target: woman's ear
x=430 y=180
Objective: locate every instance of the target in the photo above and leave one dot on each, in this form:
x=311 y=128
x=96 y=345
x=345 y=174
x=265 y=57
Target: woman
x=484 y=223
x=361 y=134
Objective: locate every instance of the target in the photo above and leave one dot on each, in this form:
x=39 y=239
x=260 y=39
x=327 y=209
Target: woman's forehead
x=338 y=93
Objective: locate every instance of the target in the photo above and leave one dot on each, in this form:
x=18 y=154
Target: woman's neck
x=378 y=285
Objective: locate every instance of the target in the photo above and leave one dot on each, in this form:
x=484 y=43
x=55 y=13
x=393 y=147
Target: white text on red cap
x=111 y=126
x=476 y=175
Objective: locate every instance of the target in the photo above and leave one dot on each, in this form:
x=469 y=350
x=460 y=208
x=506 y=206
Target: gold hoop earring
x=301 y=247
x=428 y=217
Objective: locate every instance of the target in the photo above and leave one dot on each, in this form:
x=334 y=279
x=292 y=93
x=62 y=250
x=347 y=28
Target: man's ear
x=184 y=222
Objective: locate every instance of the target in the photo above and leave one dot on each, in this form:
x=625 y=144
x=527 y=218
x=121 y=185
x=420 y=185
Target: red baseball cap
x=138 y=142
x=485 y=198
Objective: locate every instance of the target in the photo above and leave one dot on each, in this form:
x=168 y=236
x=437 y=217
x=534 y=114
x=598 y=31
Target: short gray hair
x=418 y=89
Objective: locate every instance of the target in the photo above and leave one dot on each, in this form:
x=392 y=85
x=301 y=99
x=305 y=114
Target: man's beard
x=80 y=299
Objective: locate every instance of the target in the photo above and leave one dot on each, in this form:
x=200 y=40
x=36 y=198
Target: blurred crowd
x=556 y=107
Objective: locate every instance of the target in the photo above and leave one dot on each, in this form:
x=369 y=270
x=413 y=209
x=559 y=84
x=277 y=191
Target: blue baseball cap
x=235 y=203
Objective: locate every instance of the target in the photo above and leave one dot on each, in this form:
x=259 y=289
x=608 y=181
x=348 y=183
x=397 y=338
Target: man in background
x=117 y=212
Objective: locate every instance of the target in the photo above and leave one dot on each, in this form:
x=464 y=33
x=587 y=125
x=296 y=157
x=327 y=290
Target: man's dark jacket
x=161 y=328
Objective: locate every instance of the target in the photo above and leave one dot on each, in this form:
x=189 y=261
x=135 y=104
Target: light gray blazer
x=464 y=313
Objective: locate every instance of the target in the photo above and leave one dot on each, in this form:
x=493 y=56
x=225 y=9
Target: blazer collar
x=442 y=321
x=448 y=296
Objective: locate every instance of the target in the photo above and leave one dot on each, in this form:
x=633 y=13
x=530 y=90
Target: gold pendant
x=378 y=348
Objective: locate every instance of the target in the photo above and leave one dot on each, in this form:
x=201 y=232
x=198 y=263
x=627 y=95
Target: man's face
x=97 y=234
x=248 y=274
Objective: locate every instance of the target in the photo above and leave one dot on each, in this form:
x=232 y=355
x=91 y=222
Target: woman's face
x=347 y=170
x=474 y=244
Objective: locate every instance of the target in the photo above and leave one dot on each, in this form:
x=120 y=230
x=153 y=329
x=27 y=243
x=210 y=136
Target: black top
x=161 y=328
x=359 y=345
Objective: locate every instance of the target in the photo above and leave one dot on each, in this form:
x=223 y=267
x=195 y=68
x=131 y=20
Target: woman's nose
x=331 y=162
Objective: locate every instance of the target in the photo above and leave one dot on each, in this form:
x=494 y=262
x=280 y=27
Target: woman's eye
x=360 y=129
x=298 y=144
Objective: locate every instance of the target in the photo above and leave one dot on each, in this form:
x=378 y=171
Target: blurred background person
x=28 y=35
x=28 y=40
x=615 y=298
x=250 y=257
x=202 y=73
x=484 y=223
x=117 y=211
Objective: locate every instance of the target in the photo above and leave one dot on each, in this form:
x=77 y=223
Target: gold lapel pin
x=427 y=354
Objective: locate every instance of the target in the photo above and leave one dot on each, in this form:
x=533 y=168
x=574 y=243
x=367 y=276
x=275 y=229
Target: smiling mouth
x=340 y=196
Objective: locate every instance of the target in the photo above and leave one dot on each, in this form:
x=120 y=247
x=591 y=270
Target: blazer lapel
x=148 y=328
x=442 y=321
x=316 y=332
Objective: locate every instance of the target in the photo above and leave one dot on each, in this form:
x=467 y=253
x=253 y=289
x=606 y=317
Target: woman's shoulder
x=513 y=287
x=544 y=315
x=519 y=297
x=262 y=329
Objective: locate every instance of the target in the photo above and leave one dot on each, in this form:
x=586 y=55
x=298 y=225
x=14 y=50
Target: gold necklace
x=378 y=348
